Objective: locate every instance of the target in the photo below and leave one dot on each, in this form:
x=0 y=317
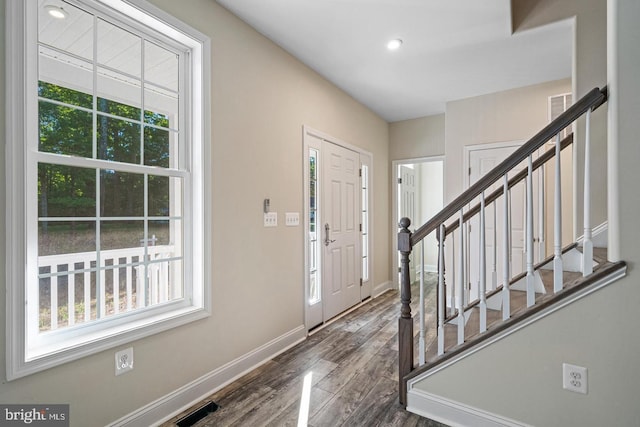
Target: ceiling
x=452 y=49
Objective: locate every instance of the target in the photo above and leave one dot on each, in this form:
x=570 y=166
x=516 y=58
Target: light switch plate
x=271 y=219
x=292 y=219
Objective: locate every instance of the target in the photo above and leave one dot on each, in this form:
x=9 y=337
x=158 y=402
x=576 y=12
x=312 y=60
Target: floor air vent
x=197 y=414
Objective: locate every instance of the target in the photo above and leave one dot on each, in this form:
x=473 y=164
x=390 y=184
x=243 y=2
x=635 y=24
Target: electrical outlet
x=271 y=219
x=574 y=378
x=124 y=361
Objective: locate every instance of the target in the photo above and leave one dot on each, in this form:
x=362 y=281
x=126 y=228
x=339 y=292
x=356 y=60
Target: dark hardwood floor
x=351 y=367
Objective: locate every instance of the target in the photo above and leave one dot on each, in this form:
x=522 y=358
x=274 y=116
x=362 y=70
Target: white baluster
x=494 y=270
x=71 y=297
x=54 y=299
x=116 y=285
x=441 y=292
x=557 y=225
x=483 y=268
x=531 y=293
x=421 y=343
x=466 y=244
x=541 y=215
x=506 y=301
x=102 y=292
x=452 y=296
x=129 y=274
x=141 y=286
x=460 y=290
x=587 y=244
x=87 y=292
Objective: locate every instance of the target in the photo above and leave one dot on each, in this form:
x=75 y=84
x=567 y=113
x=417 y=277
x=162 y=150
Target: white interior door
x=407 y=206
x=408 y=193
x=482 y=161
x=340 y=229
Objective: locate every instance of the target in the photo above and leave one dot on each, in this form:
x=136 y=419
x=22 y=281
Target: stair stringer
x=451 y=412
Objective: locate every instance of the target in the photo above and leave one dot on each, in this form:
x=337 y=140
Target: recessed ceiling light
x=394 y=44
x=56 y=11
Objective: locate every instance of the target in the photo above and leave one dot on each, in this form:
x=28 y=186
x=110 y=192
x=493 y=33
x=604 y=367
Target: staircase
x=474 y=307
x=575 y=286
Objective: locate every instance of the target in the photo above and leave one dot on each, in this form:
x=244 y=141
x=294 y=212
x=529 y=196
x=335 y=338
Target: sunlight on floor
x=303 y=415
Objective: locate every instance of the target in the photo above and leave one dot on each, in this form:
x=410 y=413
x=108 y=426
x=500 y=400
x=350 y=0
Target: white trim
x=454 y=413
x=176 y=402
x=15 y=196
x=319 y=134
x=428 y=268
x=614 y=237
x=382 y=288
x=367 y=160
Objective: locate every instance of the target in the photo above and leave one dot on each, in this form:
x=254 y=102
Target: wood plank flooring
x=352 y=366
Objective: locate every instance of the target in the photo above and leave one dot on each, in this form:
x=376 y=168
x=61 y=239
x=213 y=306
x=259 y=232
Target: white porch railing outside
x=118 y=284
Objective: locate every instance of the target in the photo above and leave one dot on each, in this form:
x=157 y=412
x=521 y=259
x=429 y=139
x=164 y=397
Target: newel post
x=405 y=322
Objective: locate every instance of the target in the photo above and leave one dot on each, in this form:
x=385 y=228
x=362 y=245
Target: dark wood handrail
x=592 y=100
x=520 y=176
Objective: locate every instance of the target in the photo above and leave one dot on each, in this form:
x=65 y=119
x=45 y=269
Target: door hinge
x=360 y=172
x=399 y=180
x=469 y=171
x=361 y=281
x=361 y=228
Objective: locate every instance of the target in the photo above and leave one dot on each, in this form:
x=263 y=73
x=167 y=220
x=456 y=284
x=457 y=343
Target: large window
x=109 y=207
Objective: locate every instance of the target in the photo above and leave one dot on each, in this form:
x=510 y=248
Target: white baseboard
x=431 y=268
x=428 y=268
x=453 y=413
x=186 y=396
x=382 y=288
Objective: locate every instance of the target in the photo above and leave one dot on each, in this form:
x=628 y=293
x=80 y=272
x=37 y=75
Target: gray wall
x=417 y=138
x=261 y=98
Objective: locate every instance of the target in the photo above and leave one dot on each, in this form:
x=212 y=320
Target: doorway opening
x=418 y=194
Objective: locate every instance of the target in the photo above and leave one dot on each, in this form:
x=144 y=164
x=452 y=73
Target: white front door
x=340 y=229
x=482 y=161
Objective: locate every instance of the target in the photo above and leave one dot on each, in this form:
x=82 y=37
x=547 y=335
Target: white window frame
x=22 y=126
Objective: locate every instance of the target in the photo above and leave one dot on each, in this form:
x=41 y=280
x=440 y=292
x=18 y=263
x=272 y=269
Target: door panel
x=335 y=261
x=341 y=230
